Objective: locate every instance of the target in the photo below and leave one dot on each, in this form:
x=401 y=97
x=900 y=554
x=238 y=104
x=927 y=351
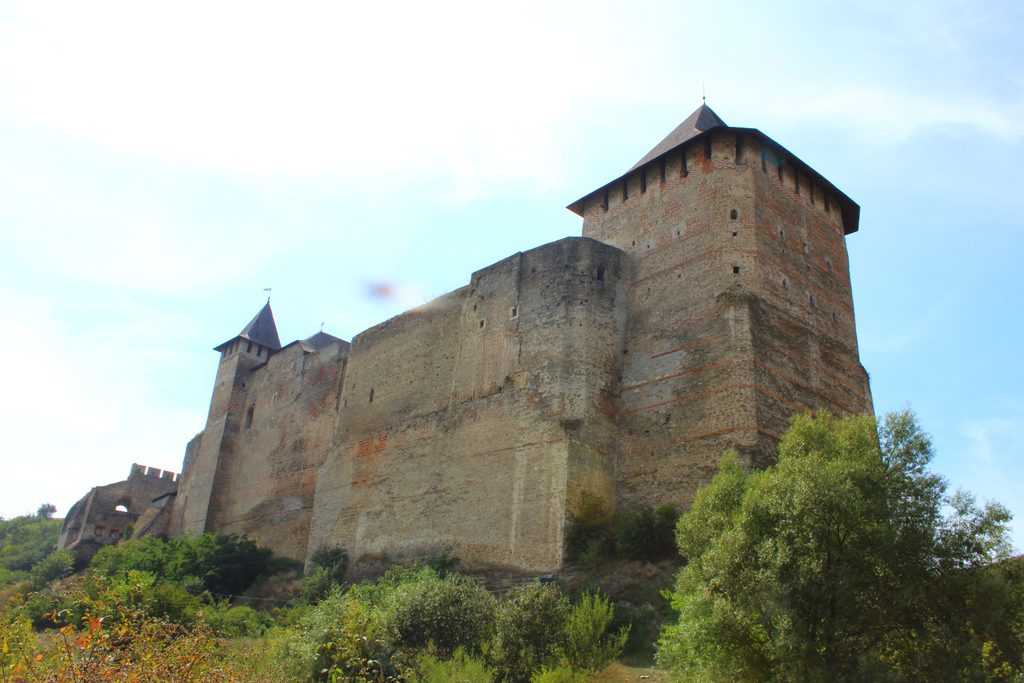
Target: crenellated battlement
x=152 y=473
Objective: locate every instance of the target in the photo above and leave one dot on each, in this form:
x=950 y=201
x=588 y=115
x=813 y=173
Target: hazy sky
x=162 y=163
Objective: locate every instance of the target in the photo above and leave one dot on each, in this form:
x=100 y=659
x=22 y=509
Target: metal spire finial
x=267 y=290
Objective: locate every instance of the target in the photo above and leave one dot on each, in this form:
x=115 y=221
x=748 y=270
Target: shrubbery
x=416 y=624
x=57 y=565
x=445 y=613
x=328 y=565
x=24 y=543
x=135 y=648
x=460 y=668
x=528 y=629
x=588 y=643
x=637 y=533
x=420 y=623
x=225 y=564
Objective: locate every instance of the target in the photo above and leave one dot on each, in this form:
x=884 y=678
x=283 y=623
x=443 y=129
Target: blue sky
x=161 y=164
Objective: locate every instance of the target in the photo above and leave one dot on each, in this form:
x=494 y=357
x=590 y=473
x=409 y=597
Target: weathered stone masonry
x=708 y=300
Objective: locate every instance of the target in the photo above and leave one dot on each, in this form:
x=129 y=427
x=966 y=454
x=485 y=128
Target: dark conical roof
x=261 y=329
x=696 y=123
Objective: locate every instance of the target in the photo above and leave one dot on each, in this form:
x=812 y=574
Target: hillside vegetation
x=847 y=561
x=25 y=542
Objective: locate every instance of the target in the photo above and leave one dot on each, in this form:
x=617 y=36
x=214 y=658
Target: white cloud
x=71 y=227
x=80 y=402
x=473 y=90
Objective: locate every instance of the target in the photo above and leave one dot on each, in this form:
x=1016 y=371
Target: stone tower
x=740 y=309
x=207 y=456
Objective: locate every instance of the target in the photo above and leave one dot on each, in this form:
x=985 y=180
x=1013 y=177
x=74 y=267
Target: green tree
x=588 y=643
x=528 y=630
x=24 y=542
x=444 y=613
x=846 y=561
x=46 y=510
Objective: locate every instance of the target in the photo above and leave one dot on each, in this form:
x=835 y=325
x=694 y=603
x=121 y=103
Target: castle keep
x=707 y=301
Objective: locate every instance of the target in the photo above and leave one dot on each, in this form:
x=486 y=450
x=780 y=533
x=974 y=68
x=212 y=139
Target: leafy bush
x=444 y=613
x=135 y=591
x=638 y=533
x=349 y=641
x=342 y=637
x=333 y=558
x=461 y=668
x=378 y=628
x=54 y=566
x=25 y=541
x=317 y=585
x=527 y=630
x=103 y=632
x=587 y=641
x=588 y=543
x=442 y=563
x=642 y=533
x=226 y=564
x=328 y=565
x=235 y=621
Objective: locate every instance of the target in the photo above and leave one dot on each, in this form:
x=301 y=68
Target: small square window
x=513 y=312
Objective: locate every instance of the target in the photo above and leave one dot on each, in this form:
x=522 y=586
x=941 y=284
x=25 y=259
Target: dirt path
x=620 y=673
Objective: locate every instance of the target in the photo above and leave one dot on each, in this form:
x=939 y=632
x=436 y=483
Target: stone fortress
x=707 y=301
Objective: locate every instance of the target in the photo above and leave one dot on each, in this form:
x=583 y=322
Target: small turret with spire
x=258 y=338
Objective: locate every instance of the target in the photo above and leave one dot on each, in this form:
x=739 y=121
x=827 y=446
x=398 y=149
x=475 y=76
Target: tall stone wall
x=465 y=422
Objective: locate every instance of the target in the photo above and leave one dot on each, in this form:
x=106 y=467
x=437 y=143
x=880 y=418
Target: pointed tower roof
x=261 y=329
x=700 y=123
x=700 y=120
